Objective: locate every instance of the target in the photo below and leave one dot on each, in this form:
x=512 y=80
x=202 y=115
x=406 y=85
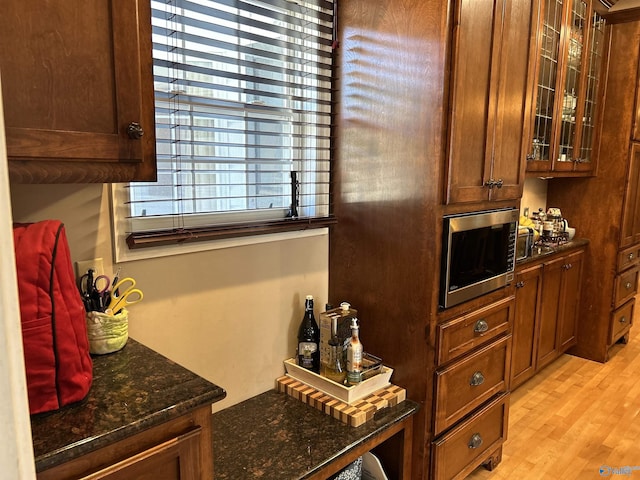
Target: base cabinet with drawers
x=476 y=441
x=471 y=389
x=546 y=312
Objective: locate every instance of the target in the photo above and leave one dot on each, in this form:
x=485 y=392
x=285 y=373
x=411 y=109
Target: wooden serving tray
x=355 y=414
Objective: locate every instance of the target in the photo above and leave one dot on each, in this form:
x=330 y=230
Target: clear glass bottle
x=354 y=355
x=309 y=339
x=335 y=370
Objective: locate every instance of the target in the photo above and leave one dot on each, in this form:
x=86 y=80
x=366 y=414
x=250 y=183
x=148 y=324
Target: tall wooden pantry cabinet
x=410 y=147
x=606 y=208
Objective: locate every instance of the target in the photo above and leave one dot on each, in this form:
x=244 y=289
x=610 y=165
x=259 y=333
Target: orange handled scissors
x=127 y=295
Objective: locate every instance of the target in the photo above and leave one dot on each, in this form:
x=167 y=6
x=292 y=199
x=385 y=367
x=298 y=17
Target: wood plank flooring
x=573 y=418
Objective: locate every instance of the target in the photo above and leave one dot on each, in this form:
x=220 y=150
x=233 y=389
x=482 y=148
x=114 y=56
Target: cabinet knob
x=520 y=284
x=630 y=256
x=628 y=285
x=475 y=441
x=476 y=379
x=499 y=183
x=623 y=319
x=135 y=131
x=481 y=326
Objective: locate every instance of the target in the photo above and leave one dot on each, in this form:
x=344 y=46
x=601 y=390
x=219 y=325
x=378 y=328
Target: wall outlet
x=83 y=267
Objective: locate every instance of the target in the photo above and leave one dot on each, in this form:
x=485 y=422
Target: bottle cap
x=354 y=323
x=309 y=297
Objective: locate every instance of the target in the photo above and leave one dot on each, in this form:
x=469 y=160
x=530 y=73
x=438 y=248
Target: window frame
x=221 y=235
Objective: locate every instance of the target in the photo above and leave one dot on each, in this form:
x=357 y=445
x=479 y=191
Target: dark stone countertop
x=133 y=389
x=275 y=436
x=540 y=253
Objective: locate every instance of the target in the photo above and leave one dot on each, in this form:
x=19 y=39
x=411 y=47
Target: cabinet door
x=571 y=52
x=549 y=309
x=569 y=300
x=491 y=40
x=525 y=327
x=630 y=229
x=514 y=100
x=75 y=76
x=175 y=459
x=589 y=113
x=547 y=73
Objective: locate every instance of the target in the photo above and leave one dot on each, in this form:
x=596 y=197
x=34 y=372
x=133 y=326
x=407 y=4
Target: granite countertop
x=133 y=389
x=275 y=436
x=539 y=253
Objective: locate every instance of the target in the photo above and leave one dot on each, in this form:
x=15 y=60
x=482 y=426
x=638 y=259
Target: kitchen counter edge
x=132 y=390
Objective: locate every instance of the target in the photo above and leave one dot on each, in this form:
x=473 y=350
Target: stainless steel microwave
x=478 y=254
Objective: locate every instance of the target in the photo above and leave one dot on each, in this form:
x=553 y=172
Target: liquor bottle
x=354 y=355
x=309 y=339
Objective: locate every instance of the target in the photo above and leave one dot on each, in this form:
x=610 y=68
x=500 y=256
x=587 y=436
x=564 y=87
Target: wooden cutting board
x=354 y=415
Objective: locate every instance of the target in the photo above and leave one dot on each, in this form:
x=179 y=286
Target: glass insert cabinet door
x=571 y=41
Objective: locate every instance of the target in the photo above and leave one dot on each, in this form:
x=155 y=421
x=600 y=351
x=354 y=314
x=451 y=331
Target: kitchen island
x=143 y=414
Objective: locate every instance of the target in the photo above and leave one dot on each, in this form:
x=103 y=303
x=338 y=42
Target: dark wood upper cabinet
x=571 y=48
x=76 y=77
x=489 y=99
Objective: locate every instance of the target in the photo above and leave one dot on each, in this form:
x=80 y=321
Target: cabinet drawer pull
x=628 y=285
x=475 y=441
x=135 y=131
x=481 y=326
x=630 y=257
x=476 y=379
x=623 y=319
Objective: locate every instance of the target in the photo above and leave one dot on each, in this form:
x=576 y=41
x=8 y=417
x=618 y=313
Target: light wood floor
x=574 y=417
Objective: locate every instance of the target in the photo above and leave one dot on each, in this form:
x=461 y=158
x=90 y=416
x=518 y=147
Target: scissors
x=127 y=295
x=95 y=292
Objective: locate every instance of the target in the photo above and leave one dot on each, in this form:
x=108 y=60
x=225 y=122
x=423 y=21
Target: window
x=243 y=118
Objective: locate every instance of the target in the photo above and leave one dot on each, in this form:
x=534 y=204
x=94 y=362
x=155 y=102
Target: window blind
x=243 y=120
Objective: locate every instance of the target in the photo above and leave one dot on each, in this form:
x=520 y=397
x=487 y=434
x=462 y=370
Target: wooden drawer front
x=621 y=321
x=625 y=287
x=460 y=451
x=460 y=335
x=628 y=257
x=468 y=383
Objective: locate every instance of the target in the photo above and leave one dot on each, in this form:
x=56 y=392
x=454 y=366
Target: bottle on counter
x=309 y=339
x=354 y=355
x=335 y=369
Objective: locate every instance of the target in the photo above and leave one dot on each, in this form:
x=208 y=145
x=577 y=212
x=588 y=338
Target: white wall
x=16 y=452
x=534 y=195
x=230 y=315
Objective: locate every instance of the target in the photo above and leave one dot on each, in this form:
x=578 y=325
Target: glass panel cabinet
x=571 y=45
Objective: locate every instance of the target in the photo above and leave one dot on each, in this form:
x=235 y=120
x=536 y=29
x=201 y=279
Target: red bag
x=54 y=332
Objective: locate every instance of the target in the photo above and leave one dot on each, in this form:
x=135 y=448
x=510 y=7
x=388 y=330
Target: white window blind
x=243 y=119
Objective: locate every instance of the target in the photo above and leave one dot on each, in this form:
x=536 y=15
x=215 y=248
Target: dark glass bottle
x=309 y=339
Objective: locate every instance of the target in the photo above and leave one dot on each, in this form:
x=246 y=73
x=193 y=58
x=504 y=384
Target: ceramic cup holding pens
x=107 y=317
x=107 y=333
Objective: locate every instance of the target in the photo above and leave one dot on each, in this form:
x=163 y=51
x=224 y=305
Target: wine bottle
x=309 y=339
x=354 y=355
